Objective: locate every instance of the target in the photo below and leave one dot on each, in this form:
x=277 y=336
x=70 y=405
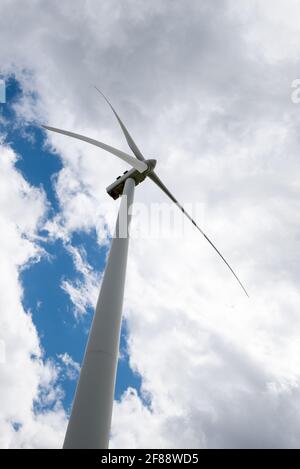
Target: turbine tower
x=90 y=420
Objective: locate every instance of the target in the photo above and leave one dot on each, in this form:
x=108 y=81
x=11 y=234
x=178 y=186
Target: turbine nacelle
x=115 y=190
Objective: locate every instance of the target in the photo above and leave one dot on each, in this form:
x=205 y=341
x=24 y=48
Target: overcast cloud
x=205 y=87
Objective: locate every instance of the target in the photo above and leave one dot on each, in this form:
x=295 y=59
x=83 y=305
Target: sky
x=209 y=89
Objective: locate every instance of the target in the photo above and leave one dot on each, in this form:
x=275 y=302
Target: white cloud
x=72 y=368
x=83 y=292
x=26 y=380
x=205 y=88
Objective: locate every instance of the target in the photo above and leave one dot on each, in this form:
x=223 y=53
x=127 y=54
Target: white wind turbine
x=90 y=420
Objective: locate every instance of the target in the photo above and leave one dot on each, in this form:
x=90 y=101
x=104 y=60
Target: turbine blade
x=139 y=165
x=130 y=141
x=160 y=184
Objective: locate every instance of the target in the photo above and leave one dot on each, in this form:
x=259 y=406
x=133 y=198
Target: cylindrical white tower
x=90 y=420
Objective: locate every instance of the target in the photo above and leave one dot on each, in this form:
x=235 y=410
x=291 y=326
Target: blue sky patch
x=2 y=91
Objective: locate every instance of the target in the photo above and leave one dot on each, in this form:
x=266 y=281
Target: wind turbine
x=90 y=420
